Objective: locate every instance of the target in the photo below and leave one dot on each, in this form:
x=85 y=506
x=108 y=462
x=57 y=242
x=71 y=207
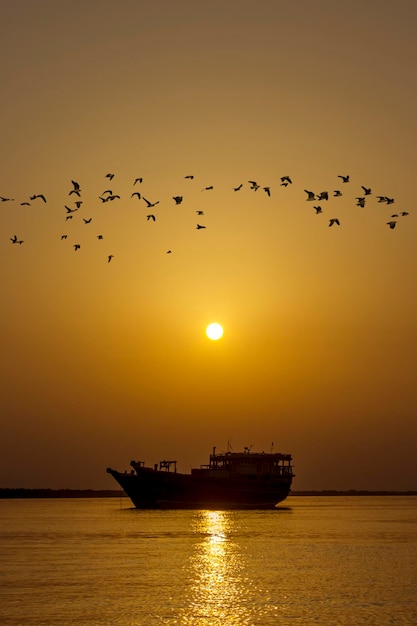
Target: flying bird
x=178 y=199
x=99 y=236
x=25 y=204
x=199 y=226
x=63 y=237
x=150 y=204
x=238 y=188
x=200 y=212
x=360 y=202
x=337 y=193
x=76 y=246
x=334 y=220
x=137 y=180
x=190 y=176
x=136 y=193
x=318 y=209
x=109 y=258
x=76 y=188
x=366 y=190
x=310 y=194
x=392 y=224
x=285 y=180
x=404 y=213
x=6 y=199
x=39 y=195
x=87 y=221
x=69 y=210
x=110 y=176
x=323 y=195
x=13 y=239
x=208 y=188
x=267 y=190
x=151 y=217
x=345 y=179
x=254 y=185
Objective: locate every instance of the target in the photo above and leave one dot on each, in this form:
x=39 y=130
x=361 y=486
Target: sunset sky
x=105 y=362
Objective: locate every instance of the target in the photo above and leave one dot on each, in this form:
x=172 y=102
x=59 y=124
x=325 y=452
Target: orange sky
x=104 y=362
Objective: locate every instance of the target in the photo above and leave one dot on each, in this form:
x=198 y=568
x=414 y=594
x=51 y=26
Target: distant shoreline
x=20 y=493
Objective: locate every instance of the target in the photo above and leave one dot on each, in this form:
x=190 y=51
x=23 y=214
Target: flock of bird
x=318 y=198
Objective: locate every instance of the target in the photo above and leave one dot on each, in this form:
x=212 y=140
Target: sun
x=214 y=331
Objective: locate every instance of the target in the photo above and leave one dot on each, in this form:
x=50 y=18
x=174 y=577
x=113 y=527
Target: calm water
x=319 y=560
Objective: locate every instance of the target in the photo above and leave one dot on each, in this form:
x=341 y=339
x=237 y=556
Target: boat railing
x=165 y=466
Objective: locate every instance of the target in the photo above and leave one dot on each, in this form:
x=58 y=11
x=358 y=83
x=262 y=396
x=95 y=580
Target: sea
x=325 y=560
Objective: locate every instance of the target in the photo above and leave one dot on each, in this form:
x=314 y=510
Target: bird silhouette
x=39 y=195
x=110 y=257
x=238 y=188
x=87 y=221
x=25 y=204
x=323 y=195
x=150 y=204
x=6 y=199
x=360 y=202
x=178 y=199
x=310 y=195
x=63 y=237
x=110 y=176
x=200 y=212
x=69 y=210
x=136 y=193
x=286 y=180
x=334 y=220
x=76 y=246
x=99 y=236
x=267 y=190
x=345 y=179
x=404 y=213
x=392 y=224
x=190 y=176
x=337 y=193
x=208 y=188
x=76 y=188
x=199 y=226
x=366 y=190
x=137 y=180
x=151 y=217
x=253 y=185
x=318 y=209
x=13 y=239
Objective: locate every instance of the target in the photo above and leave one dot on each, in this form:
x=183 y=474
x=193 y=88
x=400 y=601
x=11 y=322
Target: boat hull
x=150 y=489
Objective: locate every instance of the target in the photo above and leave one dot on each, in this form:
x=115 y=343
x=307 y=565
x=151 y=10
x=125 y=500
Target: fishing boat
x=231 y=480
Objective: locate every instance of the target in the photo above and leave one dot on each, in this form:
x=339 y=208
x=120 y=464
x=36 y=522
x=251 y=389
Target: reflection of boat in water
x=231 y=480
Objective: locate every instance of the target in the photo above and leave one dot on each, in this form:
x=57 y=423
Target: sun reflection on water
x=217 y=566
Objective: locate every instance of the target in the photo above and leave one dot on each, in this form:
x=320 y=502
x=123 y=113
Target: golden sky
x=105 y=362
